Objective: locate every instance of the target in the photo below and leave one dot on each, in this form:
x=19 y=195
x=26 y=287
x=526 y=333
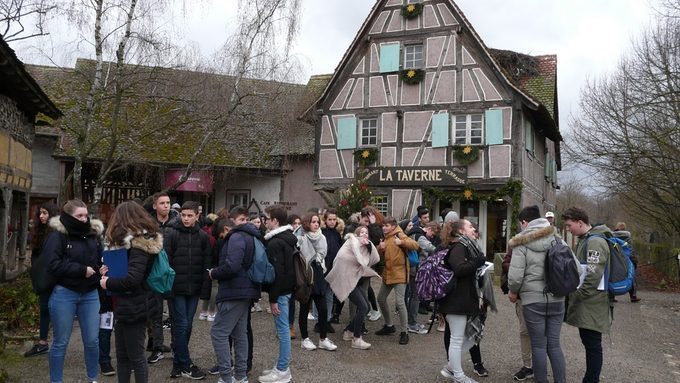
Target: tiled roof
x=18 y=84
x=169 y=109
x=535 y=75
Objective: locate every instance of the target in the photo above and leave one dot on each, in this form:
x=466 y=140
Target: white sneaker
x=307 y=344
x=276 y=376
x=327 y=344
x=234 y=380
x=211 y=317
x=360 y=344
x=374 y=315
x=417 y=329
x=445 y=372
x=347 y=335
x=311 y=316
x=257 y=307
x=203 y=316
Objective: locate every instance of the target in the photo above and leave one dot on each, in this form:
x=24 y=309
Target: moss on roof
x=167 y=113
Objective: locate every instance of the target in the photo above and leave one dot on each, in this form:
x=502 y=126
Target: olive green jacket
x=589 y=308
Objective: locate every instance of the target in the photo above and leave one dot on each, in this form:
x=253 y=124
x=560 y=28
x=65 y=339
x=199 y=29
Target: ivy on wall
x=511 y=189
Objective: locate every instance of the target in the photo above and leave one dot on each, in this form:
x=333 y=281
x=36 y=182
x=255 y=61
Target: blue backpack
x=620 y=266
x=261 y=271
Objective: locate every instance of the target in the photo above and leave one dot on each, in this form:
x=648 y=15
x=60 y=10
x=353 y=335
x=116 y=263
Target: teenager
x=131 y=228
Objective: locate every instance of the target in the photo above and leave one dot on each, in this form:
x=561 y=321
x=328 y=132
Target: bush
x=663 y=258
x=20 y=309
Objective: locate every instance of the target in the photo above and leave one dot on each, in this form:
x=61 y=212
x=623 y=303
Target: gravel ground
x=644 y=346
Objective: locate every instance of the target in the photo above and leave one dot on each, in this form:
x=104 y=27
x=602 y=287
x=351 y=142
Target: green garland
x=351 y=200
x=412 y=76
x=466 y=154
x=366 y=156
x=411 y=11
x=512 y=189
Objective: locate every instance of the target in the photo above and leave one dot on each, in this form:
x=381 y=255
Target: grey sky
x=588 y=36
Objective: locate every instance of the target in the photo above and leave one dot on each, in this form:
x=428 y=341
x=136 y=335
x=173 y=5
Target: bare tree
x=139 y=86
x=16 y=14
x=628 y=130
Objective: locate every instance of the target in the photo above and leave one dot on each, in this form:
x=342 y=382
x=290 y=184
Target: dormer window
x=413 y=56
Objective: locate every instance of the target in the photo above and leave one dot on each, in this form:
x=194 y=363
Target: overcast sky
x=587 y=36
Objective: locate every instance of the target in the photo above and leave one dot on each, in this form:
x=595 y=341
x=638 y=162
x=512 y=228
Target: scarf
x=313 y=246
x=74 y=226
x=472 y=247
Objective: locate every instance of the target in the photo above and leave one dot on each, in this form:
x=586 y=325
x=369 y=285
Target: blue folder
x=117 y=262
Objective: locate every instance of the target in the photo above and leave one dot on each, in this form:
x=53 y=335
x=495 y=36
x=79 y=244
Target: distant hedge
x=662 y=257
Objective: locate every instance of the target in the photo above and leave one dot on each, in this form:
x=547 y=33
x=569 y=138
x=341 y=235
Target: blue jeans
x=283 y=330
x=64 y=305
x=184 y=311
x=544 y=322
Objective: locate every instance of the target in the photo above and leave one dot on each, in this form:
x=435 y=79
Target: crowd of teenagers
x=212 y=257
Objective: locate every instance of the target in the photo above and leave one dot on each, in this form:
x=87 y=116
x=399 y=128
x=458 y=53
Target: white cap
x=549 y=215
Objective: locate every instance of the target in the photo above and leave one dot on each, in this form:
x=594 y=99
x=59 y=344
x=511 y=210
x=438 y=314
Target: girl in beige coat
x=350 y=273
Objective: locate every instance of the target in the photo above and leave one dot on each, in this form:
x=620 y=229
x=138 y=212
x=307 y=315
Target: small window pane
x=380 y=203
x=413 y=56
x=369 y=132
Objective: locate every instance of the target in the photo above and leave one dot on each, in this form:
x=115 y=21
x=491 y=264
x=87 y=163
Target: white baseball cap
x=549 y=215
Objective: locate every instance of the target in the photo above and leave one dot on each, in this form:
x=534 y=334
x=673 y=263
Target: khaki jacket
x=589 y=307
x=396 y=264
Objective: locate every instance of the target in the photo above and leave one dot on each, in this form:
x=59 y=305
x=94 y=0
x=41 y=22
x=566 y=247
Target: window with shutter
x=347 y=133
x=389 y=57
x=493 y=126
x=440 y=130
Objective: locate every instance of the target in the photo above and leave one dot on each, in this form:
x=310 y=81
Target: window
x=413 y=1
x=369 y=132
x=380 y=202
x=528 y=136
x=413 y=56
x=238 y=198
x=468 y=130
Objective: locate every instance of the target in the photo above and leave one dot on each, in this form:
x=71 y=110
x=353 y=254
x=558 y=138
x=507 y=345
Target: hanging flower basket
x=412 y=76
x=411 y=11
x=465 y=155
x=366 y=156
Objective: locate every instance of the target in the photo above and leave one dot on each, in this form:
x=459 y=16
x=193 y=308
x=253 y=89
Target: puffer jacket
x=334 y=241
x=352 y=263
x=135 y=302
x=464 y=299
x=396 y=264
x=189 y=254
x=526 y=275
x=68 y=255
x=281 y=244
x=589 y=307
x=236 y=257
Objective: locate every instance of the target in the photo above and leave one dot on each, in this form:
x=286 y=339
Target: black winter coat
x=280 y=246
x=334 y=243
x=135 y=302
x=463 y=300
x=189 y=254
x=68 y=256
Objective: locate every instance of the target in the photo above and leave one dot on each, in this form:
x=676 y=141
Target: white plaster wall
x=262 y=188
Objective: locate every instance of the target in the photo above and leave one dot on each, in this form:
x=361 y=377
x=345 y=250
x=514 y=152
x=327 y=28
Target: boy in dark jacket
x=188 y=249
x=234 y=296
x=281 y=245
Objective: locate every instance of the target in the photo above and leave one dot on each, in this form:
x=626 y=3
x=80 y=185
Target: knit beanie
x=451 y=216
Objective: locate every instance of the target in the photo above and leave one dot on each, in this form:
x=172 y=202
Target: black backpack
x=561 y=269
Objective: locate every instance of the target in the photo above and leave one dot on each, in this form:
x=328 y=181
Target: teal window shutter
x=554 y=172
x=389 y=57
x=440 y=130
x=347 y=133
x=546 y=167
x=528 y=136
x=493 y=124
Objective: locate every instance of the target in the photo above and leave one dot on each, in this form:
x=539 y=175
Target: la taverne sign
x=420 y=176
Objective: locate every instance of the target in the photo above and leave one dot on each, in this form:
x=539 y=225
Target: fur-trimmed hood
x=96 y=225
x=150 y=244
x=278 y=230
x=538 y=235
x=339 y=227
